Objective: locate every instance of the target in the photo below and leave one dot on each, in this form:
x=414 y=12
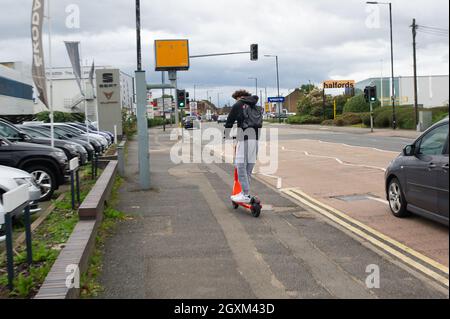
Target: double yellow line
x=374 y=237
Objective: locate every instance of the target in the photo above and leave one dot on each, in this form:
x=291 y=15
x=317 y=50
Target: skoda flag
x=38 y=69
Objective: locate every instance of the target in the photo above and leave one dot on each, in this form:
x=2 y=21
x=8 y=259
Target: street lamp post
x=394 y=116
x=218 y=99
x=278 y=83
x=256 y=84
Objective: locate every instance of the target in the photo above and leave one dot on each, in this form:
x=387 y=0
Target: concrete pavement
x=184 y=240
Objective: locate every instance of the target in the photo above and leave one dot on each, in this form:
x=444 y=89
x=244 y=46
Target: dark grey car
x=417 y=181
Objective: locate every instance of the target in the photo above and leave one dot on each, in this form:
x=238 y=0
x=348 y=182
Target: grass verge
x=48 y=240
x=90 y=284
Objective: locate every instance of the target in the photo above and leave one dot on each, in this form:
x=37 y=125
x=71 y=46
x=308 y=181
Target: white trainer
x=241 y=198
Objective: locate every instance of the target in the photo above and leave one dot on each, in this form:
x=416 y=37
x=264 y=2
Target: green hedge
x=157 y=121
x=60 y=117
x=348 y=119
x=304 y=119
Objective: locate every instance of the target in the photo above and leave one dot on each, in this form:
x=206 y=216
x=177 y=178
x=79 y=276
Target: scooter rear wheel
x=235 y=206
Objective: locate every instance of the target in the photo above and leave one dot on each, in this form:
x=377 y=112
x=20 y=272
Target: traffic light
x=188 y=101
x=370 y=94
x=254 y=52
x=181 y=97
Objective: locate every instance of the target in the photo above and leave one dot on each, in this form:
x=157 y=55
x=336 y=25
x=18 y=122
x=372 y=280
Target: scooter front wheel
x=235 y=205
x=256 y=210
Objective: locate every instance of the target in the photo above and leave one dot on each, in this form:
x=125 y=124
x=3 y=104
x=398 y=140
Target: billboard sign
x=339 y=84
x=171 y=55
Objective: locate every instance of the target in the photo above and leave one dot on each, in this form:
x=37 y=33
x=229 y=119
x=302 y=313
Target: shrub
x=304 y=119
x=328 y=123
x=358 y=104
x=129 y=124
x=157 y=121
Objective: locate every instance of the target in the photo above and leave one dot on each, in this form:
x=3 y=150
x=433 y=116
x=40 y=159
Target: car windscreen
x=33 y=133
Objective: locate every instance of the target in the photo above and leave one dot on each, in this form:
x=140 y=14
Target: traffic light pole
x=371 y=116
x=173 y=79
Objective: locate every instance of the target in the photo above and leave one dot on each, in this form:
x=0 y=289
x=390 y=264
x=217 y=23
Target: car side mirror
x=24 y=136
x=409 y=150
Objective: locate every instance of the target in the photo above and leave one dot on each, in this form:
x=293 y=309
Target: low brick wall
x=81 y=243
x=94 y=203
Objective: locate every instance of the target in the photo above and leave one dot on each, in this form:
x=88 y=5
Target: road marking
x=378 y=200
x=366 y=147
x=341 y=220
x=336 y=159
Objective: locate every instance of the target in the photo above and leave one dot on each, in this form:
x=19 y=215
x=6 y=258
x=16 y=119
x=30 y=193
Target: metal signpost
x=16 y=202
x=74 y=180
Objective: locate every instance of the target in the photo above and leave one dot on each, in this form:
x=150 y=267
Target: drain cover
x=352 y=198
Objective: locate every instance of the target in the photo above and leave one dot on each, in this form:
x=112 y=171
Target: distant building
x=291 y=101
x=67 y=97
x=16 y=89
x=432 y=90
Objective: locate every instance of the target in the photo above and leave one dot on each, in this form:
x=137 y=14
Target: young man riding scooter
x=249 y=118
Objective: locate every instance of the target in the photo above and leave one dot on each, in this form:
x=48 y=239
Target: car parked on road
x=417 y=181
x=46 y=164
x=222 y=119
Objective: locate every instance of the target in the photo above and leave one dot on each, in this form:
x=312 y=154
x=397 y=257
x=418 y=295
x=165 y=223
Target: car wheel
x=45 y=179
x=397 y=201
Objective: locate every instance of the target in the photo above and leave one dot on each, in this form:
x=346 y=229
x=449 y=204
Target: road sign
x=172 y=55
x=277 y=99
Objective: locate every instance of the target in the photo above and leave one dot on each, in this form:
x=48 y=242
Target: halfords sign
x=342 y=84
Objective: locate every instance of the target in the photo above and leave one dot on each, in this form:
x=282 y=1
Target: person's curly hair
x=241 y=93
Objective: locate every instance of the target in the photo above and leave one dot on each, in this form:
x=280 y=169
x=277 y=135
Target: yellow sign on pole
x=334 y=103
x=172 y=55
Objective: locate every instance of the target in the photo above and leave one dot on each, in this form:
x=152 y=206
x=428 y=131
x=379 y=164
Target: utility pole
x=163 y=80
x=394 y=116
x=416 y=98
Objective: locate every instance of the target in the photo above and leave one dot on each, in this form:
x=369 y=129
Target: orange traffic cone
x=237 y=188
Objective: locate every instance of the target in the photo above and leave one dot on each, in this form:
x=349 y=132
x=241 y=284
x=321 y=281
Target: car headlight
x=29 y=181
x=71 y=148
x=60 y=156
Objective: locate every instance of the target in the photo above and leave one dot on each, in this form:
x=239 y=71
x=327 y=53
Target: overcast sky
x=315 y=40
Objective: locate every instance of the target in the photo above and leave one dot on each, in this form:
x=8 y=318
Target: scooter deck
x=255 y=207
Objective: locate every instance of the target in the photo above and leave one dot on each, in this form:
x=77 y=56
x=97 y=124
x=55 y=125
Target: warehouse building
x=433 y=90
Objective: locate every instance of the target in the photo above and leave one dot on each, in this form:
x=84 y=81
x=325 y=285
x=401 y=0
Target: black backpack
x=253 y=117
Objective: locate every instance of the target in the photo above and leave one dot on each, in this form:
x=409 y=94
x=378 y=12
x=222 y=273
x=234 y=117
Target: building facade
x=291 y=101
x=16 y=89
x=433 y=90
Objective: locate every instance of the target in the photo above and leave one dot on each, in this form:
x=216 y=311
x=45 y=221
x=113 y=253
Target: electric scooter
x=255 y=206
